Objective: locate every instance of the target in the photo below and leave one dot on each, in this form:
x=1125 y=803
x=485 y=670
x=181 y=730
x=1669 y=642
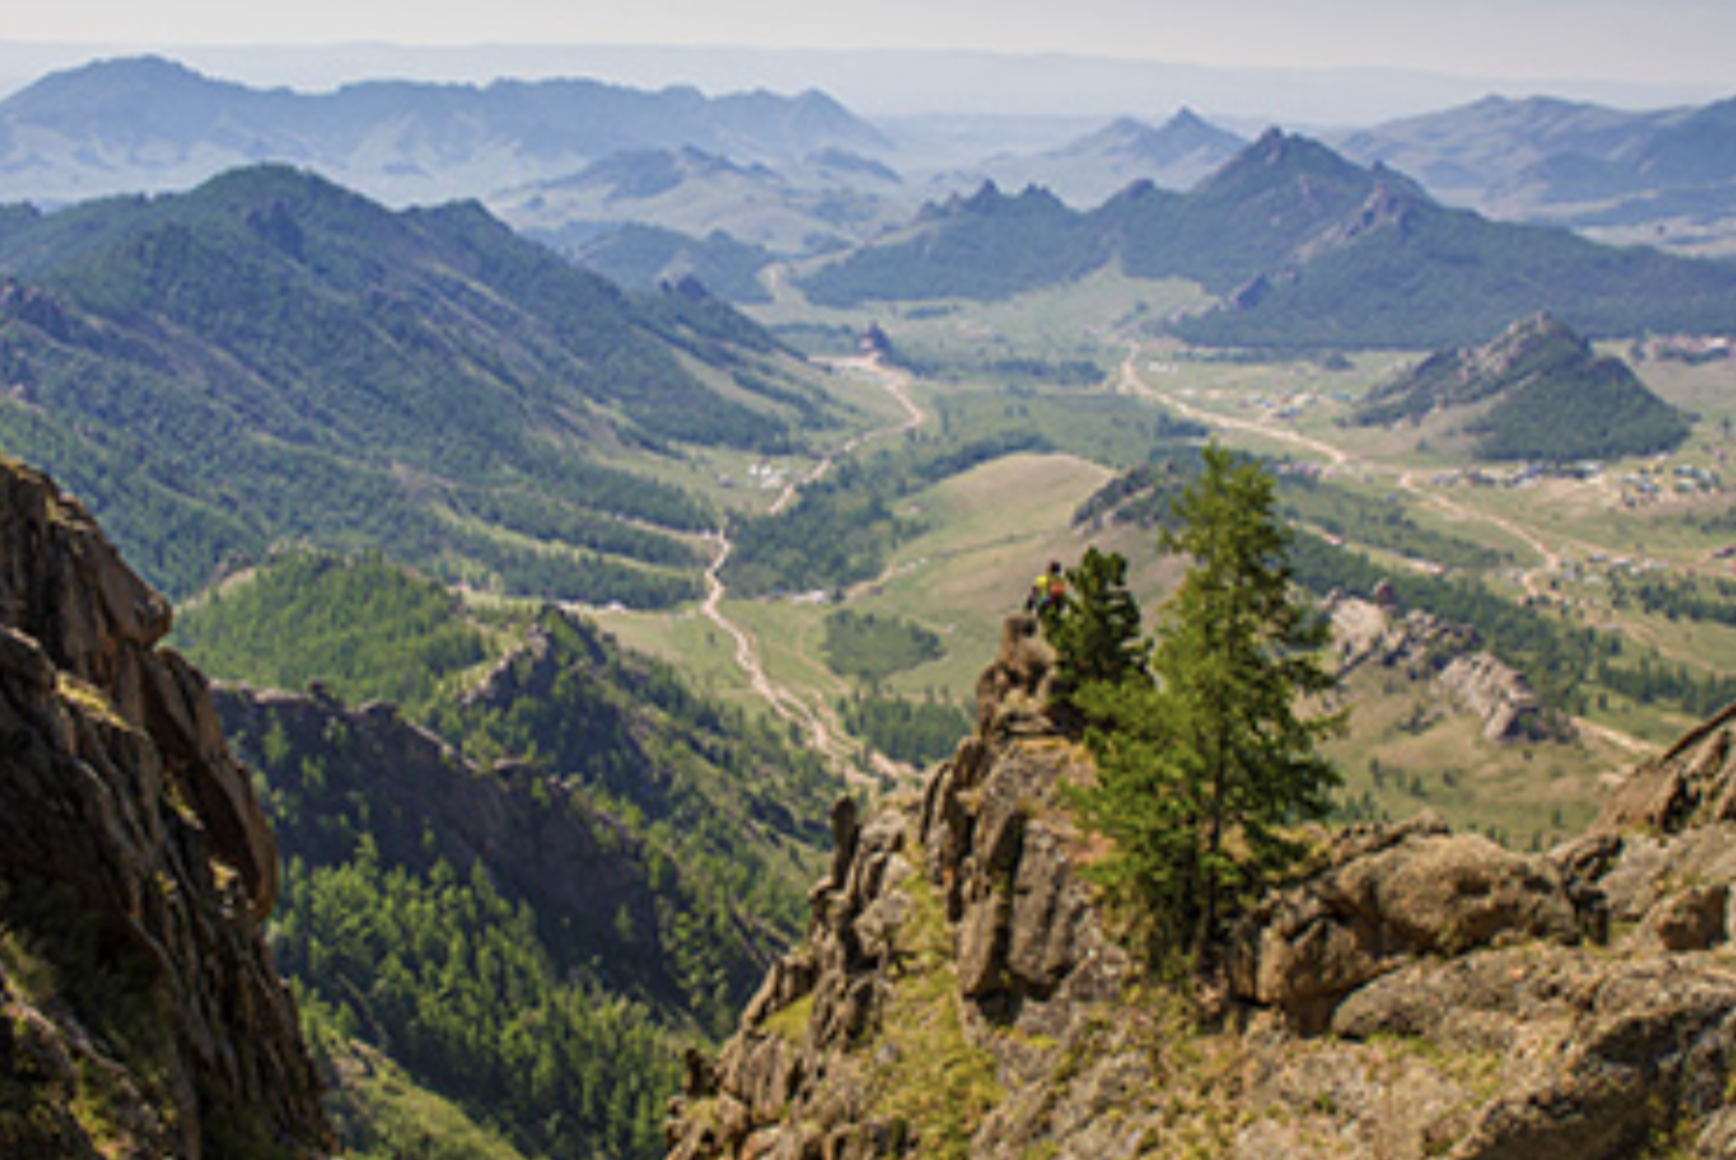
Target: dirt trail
x=1533 y=579
x=817 y=719
x=1131 y=384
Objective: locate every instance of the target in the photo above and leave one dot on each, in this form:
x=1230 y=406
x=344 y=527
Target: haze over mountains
x=1304 y=249
x=569 y=158
x=1667 y=176
x=404 y=459
x=899 y=87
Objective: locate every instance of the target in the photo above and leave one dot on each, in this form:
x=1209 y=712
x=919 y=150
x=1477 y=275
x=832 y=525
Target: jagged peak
x=990 y=200
x=1276 y=157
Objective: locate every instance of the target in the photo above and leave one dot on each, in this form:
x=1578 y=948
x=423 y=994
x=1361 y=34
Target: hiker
x=1048 y=591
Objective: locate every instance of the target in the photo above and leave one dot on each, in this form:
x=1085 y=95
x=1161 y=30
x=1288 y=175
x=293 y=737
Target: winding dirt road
x=816 y=719
x=1131 y=384
x=1533 y=579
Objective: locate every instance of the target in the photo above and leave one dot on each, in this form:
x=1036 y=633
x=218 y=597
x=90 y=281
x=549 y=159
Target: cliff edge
x=143 y=1015
x=1418 y=993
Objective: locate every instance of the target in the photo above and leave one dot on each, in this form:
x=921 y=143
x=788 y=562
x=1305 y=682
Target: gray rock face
x=973 y=885
x=127 y=828
x=1692 y=784
x=1394 y=894
x=1448 y=657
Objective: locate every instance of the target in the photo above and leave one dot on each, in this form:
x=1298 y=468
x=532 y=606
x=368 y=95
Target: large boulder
x=1693 y=783
x=1389 y=896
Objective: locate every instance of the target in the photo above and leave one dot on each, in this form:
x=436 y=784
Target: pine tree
x=1096 y=632
x=1203 y=767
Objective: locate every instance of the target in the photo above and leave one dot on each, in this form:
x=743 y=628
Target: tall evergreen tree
x=1095 y=632
x=1202 y=767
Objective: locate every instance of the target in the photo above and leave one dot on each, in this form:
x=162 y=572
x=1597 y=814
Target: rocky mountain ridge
x=1306 y=250
x=1539 y=391
x=144 y=1017
x=1089 y=170
x=1663 y=176
x=958 y=993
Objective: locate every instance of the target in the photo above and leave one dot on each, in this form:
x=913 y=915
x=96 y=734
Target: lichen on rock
x=135 y=865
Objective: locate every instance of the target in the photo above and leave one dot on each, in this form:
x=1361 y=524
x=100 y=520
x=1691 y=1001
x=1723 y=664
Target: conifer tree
x=1202 y=767
x=1095 y=633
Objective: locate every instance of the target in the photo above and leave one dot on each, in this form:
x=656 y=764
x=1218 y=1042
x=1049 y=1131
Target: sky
x=1675 y=46
x=1640 y=40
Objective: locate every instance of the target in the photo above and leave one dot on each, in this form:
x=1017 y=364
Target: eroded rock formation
x=1419 y=993
x=1447 y=657
x=143 y=1013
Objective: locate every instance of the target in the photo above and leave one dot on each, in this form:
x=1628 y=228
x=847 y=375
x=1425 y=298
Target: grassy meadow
x=1403 y=496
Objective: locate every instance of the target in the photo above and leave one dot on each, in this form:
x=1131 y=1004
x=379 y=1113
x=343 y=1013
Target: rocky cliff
x=1372 y=633
x=143 y=1015
x=1420 y=993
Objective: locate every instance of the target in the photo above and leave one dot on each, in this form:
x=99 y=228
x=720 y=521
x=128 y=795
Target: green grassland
x=1407 y=497
x=1079 y=320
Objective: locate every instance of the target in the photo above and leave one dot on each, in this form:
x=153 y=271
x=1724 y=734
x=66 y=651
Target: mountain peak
x=1545 y=395
x=1277 y=158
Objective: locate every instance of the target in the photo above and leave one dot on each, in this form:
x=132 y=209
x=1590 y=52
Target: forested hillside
x=532 y=880
x=271 y=357
x=1550 y=398
x=1306 y=251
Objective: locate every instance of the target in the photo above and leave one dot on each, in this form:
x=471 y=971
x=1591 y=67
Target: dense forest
x=269 y=357
x=873 y=648
x=534 y=875
x=916 y=732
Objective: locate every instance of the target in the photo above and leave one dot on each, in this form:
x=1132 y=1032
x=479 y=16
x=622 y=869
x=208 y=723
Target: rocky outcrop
x=1392 y=895
x=1371 y=633
x=135 y=867
x=952 y=939
x=1418 y=993
x=1691 y=784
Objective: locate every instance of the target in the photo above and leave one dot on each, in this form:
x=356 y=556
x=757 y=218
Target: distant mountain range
x=148 y=124
x=271 y=356
x=1665 y=176
x=1089 y=170
x=572 y=158
x=1304 y=248
x=821 y=201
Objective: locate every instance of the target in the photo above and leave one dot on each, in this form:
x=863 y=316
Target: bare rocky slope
x=1421 y=993
x=1376 y=634
x=143 y=1017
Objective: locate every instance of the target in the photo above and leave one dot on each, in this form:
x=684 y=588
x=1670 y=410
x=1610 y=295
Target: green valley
x=530 y=878
x=555 y=620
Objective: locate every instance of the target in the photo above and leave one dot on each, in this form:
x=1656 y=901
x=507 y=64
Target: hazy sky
x=1649 y=41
